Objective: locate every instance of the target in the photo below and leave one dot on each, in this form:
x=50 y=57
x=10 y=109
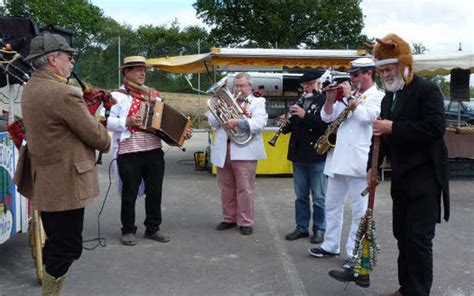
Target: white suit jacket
x=253 y=150
x=351 y=153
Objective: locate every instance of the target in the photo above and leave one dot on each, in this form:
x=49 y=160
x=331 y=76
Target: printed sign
x=7 y=188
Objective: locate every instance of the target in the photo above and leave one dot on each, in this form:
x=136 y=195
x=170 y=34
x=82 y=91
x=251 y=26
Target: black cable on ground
x=185 y=162
x=100 y=241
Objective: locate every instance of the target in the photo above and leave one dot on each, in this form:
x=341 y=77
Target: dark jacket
x=417 y=134
x=305 y=132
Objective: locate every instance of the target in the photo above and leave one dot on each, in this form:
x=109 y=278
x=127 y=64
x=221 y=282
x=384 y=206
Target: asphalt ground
x=200 y=260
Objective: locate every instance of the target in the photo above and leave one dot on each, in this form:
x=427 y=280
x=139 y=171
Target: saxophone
x=324 y=144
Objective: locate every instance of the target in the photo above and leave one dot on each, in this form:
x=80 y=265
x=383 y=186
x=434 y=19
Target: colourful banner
x=8 y=207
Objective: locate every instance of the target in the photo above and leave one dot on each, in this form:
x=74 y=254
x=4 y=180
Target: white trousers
x=338 y=187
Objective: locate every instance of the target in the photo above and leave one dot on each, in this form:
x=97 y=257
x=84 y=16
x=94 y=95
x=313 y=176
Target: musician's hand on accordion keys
x=133 y=121
x=188 y=133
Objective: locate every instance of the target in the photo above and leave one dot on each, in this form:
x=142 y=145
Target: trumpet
x=299 y=102
x=331 y=87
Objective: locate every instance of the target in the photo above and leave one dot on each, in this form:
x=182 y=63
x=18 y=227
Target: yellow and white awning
x=428 y=64
x=232 y=58
x=249 y=59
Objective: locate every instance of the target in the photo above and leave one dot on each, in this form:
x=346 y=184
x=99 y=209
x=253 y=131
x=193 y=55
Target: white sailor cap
x=358 y=64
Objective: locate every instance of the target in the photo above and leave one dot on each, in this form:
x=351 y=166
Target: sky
x=440 y=25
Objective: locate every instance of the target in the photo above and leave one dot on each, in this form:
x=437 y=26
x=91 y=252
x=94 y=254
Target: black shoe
x=318 y=237
x=321 y=253
x=347 y=275
x=296 y=235
x=225 y=225
x=349 y=262
x=246 y=230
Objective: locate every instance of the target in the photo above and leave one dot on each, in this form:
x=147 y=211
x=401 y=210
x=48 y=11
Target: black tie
x=394 y=102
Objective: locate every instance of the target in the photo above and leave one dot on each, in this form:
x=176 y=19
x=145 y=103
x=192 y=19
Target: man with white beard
x=411 y=127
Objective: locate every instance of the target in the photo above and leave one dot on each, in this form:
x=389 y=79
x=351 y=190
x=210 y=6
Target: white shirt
x=353 y=141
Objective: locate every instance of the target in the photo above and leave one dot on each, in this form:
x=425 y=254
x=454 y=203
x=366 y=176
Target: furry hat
x=392 y=49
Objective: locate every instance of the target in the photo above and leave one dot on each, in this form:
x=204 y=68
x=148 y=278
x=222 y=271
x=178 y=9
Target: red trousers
x=237 y=184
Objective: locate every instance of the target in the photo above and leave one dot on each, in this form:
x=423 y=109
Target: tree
x=283 y=23
x=96 y=39
x=419 y=48
x=79 y=16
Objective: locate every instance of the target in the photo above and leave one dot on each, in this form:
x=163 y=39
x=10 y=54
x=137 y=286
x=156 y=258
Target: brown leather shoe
x=396 y=293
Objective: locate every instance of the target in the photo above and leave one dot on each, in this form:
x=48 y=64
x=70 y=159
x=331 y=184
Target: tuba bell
x=223 y=107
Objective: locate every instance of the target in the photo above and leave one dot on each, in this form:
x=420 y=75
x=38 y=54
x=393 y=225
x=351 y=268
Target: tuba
x=223 y=106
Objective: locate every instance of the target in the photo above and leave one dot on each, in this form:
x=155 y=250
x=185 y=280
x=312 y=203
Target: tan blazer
x=62 y=137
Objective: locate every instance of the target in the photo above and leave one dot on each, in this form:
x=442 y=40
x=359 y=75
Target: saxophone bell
x=328 y=141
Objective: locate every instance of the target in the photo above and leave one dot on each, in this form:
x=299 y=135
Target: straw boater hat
x=392 y=49
x=133 y=61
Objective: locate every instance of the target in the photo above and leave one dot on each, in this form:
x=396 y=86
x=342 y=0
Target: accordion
x=165 y=121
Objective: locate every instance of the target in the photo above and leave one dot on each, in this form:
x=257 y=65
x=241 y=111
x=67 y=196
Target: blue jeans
x=310 y=177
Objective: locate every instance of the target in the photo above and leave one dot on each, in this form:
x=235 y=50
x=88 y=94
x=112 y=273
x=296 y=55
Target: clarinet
x=299 y=102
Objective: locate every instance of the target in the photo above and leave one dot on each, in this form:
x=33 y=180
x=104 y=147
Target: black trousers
x=133 y=167
x=64 y=240
x=416 y=205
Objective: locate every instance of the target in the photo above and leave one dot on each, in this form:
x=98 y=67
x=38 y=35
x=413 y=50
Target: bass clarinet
x=299 y=102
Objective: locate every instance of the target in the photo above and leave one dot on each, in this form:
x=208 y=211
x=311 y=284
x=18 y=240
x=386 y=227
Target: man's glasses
x=355 y=74
x=69 y=55
x=240 y=85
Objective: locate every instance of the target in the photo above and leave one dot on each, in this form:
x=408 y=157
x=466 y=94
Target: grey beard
x=396 y=85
